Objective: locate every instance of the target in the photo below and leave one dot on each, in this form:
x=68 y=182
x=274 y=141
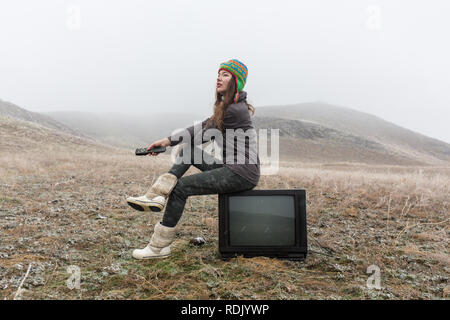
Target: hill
x=397 y=140
x=312 y=142
x=8 y=109
x=310 y=132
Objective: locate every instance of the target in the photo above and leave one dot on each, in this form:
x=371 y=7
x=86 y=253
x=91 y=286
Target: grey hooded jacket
x=237 y=132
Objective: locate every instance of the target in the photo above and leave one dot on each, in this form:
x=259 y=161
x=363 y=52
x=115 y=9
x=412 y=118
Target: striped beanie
x=239 y=70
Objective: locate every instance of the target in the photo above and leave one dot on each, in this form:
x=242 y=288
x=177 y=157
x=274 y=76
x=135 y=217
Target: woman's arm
x=159 y=143
x=190 y=130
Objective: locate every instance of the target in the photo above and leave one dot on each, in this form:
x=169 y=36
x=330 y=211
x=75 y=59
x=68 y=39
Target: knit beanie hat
x=239 y=70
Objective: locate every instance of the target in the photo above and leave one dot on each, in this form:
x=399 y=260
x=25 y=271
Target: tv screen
x=262 y=221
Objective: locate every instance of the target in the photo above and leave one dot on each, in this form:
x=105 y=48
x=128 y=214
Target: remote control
x=144 y=151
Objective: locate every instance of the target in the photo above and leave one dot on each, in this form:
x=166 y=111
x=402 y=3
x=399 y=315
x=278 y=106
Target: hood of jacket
x=242 y=96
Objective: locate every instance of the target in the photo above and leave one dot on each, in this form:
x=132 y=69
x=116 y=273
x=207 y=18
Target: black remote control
x=144 y=151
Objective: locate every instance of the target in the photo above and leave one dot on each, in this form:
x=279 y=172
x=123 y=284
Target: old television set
x=268 y=223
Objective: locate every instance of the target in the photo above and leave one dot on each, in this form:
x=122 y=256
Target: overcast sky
x=388 y=58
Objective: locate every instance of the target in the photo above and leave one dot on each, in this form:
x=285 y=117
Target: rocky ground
x=61 y=213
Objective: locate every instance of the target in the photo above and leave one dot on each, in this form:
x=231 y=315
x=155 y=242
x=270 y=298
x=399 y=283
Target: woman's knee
x=179 y=189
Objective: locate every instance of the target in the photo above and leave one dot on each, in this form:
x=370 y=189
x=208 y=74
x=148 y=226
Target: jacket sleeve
x=190 y=130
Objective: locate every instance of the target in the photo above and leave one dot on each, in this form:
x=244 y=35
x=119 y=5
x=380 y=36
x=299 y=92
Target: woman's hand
x=159 y=143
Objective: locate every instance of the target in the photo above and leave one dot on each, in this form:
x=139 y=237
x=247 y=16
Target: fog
x=387 y=58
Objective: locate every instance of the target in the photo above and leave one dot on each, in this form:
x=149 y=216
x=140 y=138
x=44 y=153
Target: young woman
x=231 y=111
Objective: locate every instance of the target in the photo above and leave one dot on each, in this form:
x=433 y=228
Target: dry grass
x=67 y=208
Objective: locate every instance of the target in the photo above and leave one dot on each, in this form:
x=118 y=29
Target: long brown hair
x=222 y=102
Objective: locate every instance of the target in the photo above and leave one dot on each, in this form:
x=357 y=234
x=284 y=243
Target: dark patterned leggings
x=215 y=178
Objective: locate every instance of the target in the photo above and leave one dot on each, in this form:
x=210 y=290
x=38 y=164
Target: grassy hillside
x=311 y=142
x=8 y=109
x=63 y=204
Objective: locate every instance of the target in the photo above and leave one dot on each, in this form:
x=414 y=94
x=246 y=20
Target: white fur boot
x=156 y=197
x=159 y=246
